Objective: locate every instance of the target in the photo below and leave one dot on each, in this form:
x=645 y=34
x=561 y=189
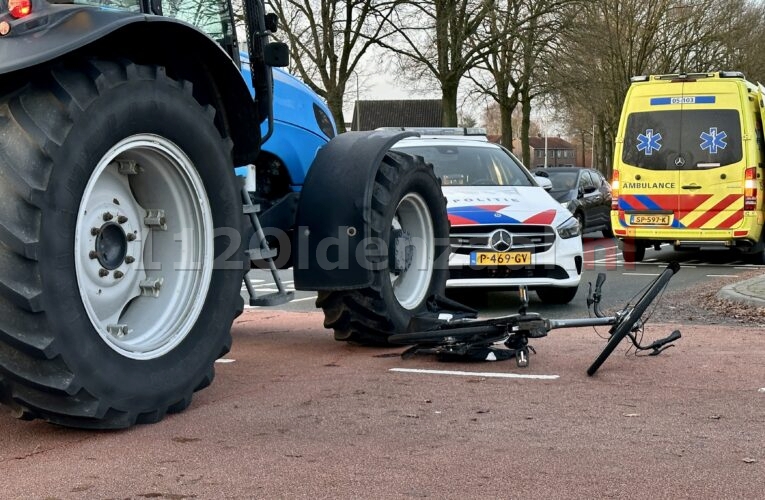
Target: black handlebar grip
x=666 y=340
x=599 y=281
x=673 y=336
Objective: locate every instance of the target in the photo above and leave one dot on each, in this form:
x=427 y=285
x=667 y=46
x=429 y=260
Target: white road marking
x=225 y=360
x=312 y=297
x=640 y=274
x=476 y=374
x=599 y=249
x=301 y=299
x=722 y=275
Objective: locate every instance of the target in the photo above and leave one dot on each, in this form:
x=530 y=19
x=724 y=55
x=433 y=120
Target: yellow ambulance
x=688 y=164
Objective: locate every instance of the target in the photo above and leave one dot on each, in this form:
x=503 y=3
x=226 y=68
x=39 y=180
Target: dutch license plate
x=650 y=220
x=500 y=258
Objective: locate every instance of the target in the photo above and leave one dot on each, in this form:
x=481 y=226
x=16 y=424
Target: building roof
x=369 y=115
x=552 y=143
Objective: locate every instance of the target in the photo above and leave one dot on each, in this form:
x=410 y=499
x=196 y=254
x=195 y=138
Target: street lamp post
x=545 y=147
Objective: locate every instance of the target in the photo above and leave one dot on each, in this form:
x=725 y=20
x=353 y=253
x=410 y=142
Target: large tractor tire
x=409 y=206
x=120 y=268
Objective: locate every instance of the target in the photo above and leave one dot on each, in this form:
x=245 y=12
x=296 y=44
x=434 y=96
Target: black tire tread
x=361 y=316
x=34 y=121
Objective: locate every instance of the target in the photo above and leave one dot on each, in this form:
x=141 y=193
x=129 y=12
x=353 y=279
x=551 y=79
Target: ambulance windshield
x=682 y=139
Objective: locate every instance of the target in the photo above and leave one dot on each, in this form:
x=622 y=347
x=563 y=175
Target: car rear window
x=682 y=139
x=562 y=180
x=465 y=165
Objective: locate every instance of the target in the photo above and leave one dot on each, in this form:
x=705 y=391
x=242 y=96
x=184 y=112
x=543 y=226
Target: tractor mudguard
x=334 y=212
x=66 y=28
x=146 y=39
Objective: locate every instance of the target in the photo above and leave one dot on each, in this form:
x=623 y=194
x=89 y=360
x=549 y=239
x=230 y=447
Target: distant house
x=369 y=115
x=560 y=152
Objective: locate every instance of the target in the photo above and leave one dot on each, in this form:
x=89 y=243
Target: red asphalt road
x=298 y=415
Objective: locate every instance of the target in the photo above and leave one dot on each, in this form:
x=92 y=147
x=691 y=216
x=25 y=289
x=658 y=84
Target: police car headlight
x=569 y=229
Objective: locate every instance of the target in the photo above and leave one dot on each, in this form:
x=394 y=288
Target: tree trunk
x=335 y=104
x=449 y=104
x=525 y=126
x=506 y=107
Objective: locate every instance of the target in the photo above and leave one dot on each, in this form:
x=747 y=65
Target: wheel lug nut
x=122 y=219
x=103 y=273
x=93 y=254
x=130 y=237
x=129 y=259
x=118 y=274
x=108 y=216
x=94 y=231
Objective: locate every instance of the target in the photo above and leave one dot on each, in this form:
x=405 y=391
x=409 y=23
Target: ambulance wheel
x=632 y=251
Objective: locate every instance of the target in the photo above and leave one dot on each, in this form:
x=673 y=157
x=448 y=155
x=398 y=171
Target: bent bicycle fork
x=476 y=339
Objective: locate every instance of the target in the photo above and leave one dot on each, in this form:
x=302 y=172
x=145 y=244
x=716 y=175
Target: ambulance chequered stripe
x=710 y=213
x=733 y=220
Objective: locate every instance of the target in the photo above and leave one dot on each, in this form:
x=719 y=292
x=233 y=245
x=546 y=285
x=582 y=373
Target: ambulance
x=688 y=164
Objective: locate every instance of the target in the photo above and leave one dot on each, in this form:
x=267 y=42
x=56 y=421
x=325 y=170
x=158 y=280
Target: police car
x=506 y=230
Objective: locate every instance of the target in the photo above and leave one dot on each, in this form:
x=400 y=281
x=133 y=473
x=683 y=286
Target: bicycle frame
x=473 y=337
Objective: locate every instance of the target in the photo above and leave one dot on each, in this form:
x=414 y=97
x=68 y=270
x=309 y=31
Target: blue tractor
x=302 y=125
x=125 y=234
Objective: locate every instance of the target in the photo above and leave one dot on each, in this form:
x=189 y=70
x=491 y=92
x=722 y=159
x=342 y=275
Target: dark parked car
x=585 y=192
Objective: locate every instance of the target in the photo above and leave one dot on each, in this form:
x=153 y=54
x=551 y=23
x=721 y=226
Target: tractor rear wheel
x=409 y=214
x=120 y=265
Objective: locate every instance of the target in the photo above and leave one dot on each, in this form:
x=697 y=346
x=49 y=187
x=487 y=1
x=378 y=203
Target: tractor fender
x=335 y=211
x=56 y=31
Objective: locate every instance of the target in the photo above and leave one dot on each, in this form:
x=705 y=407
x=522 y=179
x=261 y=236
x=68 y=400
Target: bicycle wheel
x=621 y=329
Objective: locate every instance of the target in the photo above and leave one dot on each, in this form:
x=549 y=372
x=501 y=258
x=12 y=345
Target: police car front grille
x=534 y=239
x=467 y=272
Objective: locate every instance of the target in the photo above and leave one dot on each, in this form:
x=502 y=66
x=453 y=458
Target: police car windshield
x=466 y=165
x=682 y=139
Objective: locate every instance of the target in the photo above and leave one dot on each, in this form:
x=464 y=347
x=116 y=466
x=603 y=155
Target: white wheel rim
x=411 y=285
x=144 y=293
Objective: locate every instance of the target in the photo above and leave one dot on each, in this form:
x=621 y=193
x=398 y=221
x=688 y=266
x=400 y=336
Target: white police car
x=506 y=230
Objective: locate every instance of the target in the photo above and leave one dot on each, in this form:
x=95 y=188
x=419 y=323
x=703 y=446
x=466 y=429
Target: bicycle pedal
x=522 y=357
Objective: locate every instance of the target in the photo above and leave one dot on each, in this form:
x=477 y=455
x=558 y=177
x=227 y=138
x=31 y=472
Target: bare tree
x=512 y=72
x=329 y=38
x=617 y=39
x=433 y=42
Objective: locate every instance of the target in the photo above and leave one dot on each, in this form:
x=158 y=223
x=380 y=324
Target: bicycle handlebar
x=599 y=281
x=656 y=345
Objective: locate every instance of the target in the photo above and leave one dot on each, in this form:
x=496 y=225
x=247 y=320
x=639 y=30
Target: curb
x=751 y=291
